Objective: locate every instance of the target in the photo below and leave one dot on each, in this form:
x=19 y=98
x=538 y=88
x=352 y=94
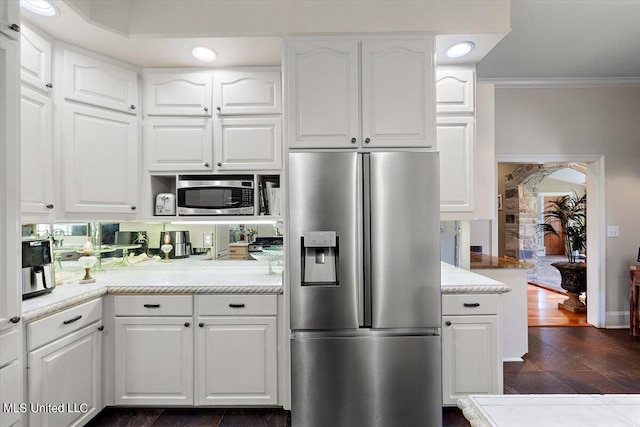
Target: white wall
x=585 y=121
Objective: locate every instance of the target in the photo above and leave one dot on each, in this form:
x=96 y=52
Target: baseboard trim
x=617 y=320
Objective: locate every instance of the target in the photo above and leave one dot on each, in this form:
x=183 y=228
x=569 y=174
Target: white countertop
x=197 y=275
x=552 y=410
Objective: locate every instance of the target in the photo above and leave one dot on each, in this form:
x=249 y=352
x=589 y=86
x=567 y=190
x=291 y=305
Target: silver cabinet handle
x=15 y=27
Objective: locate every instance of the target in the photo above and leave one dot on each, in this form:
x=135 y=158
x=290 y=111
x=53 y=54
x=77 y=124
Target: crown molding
x=561 y=82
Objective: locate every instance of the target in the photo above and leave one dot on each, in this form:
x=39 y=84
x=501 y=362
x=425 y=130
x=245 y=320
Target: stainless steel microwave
x=215 y=195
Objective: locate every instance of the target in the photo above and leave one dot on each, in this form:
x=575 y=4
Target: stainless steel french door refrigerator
x=365 y=289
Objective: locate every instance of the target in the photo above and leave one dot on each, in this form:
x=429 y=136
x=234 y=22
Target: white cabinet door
x=398 y=93
x=10 y=302
x=35 y=60
x=11 y=392
x=323 y=93
x=100 y=156
x=67 y=372
x=248 y=144
x=471 y=357
x=10 y=18
x=455 y=90
x=36 y=135
x=178 y=94
x=178 y=144
x=456 y=144
x=247 y=92
x=154 y=361
x=91 y=81
x=237 y=361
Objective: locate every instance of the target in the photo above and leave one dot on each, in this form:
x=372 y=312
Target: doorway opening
x=518 y=237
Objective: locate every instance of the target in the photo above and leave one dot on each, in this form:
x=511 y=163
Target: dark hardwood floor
x=560 y=360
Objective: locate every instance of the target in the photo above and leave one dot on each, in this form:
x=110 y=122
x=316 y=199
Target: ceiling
x=549 y=39
x=585 y=39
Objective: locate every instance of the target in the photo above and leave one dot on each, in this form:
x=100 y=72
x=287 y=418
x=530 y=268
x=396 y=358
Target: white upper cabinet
x=398 y=93
x=178 y=94
x=36 y=116
x=35 y=60
x=323 y=79
x=455 y=89
x=248 y=144
x=100 y=152
x=91 y=81
x=247 y=92
x=10 y=18
x=184 y=144
x=456 y=144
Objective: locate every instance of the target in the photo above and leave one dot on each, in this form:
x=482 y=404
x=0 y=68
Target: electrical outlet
x=613 y=231
x=207 y=240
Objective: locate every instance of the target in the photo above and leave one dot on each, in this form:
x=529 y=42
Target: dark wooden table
x=634 y=318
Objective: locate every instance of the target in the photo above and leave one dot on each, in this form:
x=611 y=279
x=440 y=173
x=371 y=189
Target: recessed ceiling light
x=204 y=54
x=40 y=7
x=460 y=49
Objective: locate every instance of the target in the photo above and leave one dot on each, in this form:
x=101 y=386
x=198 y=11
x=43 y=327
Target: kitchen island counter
x=178 y=277
x=455 y=280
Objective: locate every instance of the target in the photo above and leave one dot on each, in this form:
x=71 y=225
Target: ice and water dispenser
x=319 y=258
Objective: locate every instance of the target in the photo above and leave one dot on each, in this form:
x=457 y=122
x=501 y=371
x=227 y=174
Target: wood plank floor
x=542 y=309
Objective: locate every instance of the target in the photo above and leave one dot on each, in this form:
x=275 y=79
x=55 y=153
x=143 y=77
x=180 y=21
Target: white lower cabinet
x=11 y=374
x=236 y=361
x=154 y=361
x=66 y=374
x=471 y=346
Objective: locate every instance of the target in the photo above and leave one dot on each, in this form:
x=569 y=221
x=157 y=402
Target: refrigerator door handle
x=365 y=299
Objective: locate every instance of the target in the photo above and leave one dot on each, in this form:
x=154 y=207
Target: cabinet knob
x=49 y=85
x=49 y=206
x=206 y=109
x=133 y=107
x=353 y=140
x=219 y=164
x=206 y=165
x=101 y=328
x=187 y=324
x=133 y=208
x=447 y=323
x=15 y=27
x=368 y=140
x=219 y=109
x=201 y=324
x=14 y=319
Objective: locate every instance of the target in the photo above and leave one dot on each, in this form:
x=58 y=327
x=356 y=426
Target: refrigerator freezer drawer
x=373 y=381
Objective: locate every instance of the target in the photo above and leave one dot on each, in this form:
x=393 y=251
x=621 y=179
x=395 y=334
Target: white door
x=154 y=361
x=35 y=60
x=10 y=302
x=10 y=18
x=100 y=83
x=237 y=361
x=67 y=372
x=178 y=144
x=36 y=136
x=11 y=391
x=323 y=93
x=247 y=92
x=456 y=144
x=100 y=161
x=455 y=90
x=471 y=357
x=248 y=144
x=398 y=93
x=178 y=94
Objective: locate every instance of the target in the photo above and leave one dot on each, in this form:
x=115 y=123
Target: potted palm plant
x=570 y=213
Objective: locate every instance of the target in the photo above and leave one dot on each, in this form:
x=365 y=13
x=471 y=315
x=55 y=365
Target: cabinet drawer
x=470 y=304
x=55 y=326
x=236 y=305
x=238 y=250
x=9 y=345
x=153 y=305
